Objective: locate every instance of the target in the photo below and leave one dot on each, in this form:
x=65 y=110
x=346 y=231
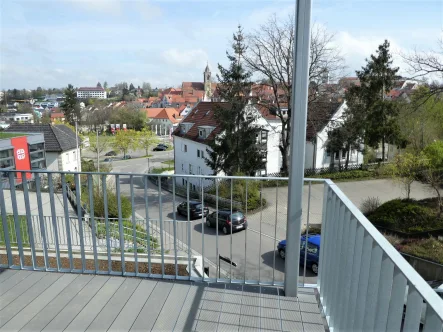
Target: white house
x=193 y=135
x=60 y=145
x=94 y=92
x=17 y=117
x=316 y=155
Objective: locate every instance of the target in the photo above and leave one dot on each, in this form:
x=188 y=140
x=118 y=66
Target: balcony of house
x=116 y=251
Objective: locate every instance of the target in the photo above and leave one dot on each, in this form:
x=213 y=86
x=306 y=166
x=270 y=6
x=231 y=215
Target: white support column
x=299 y=100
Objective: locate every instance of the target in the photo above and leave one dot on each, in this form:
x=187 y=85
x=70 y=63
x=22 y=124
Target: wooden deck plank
x=20 y=288
x=133 y=306
x=95 y=305
x=189 y=311
x=112 y=309
x=29 y=312
x=72 y=309
x=27 y=297
x=13 y=280
x=171 y=309
x=52 y=309
x=6 y=274
x=148 y=315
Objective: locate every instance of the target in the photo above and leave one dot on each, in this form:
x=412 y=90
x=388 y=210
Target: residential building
x=316 y=155
x=91 y=92
x=13 y=117
x=60 y=145
x=21 y=151
x=57 y=116
x=162 y=120
x=199 y=128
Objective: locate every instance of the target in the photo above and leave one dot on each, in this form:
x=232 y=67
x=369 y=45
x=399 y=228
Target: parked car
x=111 y=154
x=227 y=221
x=313 y=243
x=126 y=157
x=108 y=160
x=195 y=209
x=161 y=147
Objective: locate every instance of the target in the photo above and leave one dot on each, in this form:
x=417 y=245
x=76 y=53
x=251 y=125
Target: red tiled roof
x=57 y=115
x=163 y=113
x=201 y=115
x=90 y=89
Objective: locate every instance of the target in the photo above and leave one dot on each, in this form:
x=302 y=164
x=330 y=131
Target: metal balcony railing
x=133 y=228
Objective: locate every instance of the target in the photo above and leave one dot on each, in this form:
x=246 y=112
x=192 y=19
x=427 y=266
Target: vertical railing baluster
x=203 y=228
x=414 y=306
x=336 y=261
x=5 y=226
x=432 y=322
x=261 y=219
x=134 y=224
x=230 y=235
x=92 y=219
x=160 y=207
x=29 y=218
x=120 y=224
x=275 y=233
x=355 y=276
x=189 y=228
x=373 y=287
x=307 y=232
x=78 y=190
x=41 y=220
x=363 y=282
x=327 y=196
x=246 y=230
x=146 y=179
x=350 y=234
x=216 y=230
x=16 y=219
x=54 y=220
x=67 y=220
x=106 y=221
x=384 y=293
x=174 y=220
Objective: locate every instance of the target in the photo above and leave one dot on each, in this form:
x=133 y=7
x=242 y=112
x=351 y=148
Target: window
x=199 y=171
x=190 y=169
x=343 y=154
x=7 y=159
x=183 y=167
x=336 y=155
x=185 y=148
x=200 y=133
x=202 y=154
x=198 y=153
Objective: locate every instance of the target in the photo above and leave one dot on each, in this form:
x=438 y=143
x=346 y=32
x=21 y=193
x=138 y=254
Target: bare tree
x=269 y=56
x=428 y=66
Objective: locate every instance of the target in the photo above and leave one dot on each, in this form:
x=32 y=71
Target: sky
x=53 y=43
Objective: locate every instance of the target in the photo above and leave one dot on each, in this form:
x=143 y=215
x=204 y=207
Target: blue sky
x=57 y=42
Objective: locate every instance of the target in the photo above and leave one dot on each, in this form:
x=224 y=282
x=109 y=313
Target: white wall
x=198 y=164
x=69 y=161
x=52 y=161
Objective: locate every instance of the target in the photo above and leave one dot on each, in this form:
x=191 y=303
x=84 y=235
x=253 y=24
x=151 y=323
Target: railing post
x=299 y=100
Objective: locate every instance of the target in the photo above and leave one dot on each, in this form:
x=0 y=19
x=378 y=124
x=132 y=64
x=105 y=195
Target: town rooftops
x=170 y=114
x=58 y=138
x=90 y=89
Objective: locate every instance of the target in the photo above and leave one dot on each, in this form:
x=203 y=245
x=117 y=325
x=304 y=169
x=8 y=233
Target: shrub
x=99 y=206
x=370 y=204
x=430 y=249
x=254 y=200
x=407 y=216
x=345 y=175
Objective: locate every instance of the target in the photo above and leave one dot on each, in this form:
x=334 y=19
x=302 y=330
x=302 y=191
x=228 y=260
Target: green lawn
x=9 y=135
x=168 y=162
x=12 y=233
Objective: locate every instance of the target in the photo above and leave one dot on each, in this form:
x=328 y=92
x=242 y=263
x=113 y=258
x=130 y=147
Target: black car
x=110 y=154
x=108 y=160
x=195 y=209
x=225 y=220
x=161 y=147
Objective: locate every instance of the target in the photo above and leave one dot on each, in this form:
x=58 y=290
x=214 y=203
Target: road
x=254 y=249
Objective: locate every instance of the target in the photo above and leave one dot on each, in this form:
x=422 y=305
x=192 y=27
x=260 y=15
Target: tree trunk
x=348 y=150
x=383 y=149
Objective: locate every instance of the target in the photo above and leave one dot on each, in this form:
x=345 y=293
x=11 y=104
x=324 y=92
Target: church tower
x=207 y=83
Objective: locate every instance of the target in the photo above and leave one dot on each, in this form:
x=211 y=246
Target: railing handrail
x=428 y=294
x=233 y=177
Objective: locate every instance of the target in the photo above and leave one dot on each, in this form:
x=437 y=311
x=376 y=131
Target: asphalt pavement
x=252 y=250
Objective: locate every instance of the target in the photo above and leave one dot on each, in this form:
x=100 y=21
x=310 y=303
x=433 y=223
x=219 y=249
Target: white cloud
x=113 y=7
x=185 y=58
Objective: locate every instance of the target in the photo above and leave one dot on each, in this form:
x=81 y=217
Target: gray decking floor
x=36 y=301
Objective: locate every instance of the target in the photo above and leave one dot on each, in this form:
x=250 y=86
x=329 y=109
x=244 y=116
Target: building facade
x=22 y=151
x=94 y=92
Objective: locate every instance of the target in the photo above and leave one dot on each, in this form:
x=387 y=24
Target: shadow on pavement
x=268 y=259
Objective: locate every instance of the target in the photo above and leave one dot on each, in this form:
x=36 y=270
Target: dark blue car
x=313 y=243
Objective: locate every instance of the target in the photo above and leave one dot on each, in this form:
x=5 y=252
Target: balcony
x=67 y=266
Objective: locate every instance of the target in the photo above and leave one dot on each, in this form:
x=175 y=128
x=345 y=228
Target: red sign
x=21 y=155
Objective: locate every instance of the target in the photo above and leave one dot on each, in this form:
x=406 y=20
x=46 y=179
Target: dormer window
x=204 y=131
